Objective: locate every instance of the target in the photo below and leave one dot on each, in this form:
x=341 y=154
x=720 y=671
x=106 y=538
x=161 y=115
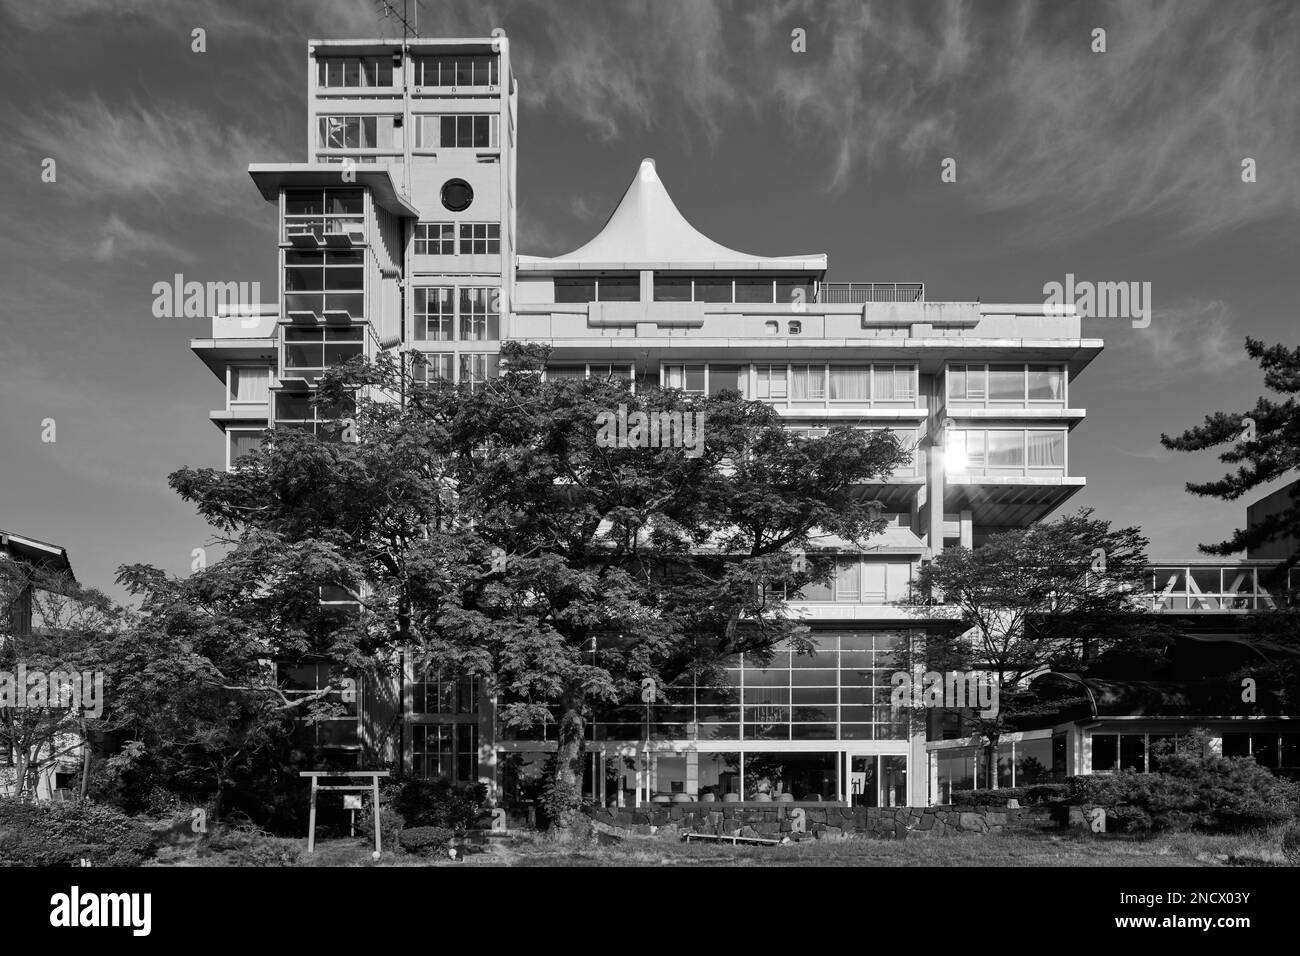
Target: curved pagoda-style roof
x=647 y=231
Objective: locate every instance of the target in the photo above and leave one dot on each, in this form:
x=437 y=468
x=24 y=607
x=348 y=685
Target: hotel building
x=398 y=233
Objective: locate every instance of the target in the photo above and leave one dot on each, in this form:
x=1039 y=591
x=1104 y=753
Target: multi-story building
x=35 y=598
x=399 y=233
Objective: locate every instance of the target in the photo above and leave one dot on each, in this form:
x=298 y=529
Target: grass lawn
x=1017 y=849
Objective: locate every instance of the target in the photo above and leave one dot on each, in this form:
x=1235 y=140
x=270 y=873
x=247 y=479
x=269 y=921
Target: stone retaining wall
x=822 y=822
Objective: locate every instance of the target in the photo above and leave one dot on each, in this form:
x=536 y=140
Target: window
x=299 y=410
x=754 y=290
x=893 y=383
x=429 y=367
x=850 y=383
x=793 y=291
x=1020 y=451
x=480 y=238
x=249 y=384
x=354 y=71
x=1020 y=384
x=1006 y=383
x=323 y=212
x=1046 y=383
x=449 y=695
x=1006 y=449
x=355 y=132
x=1046 y=449
x=575 y=290
x=456 y=131
x=688 y=378
x=319 y=282
x=807 y=382
x=479 y=314
x=724 y=378
x=457 y=195
x=770 y=381
x=618 y=288
x=668 y=289
x=308 y=352
x=448 y=750
x=711 y=289
x=611 y=288
x=464 y=69
x=240 y=442
x=434 y=314
x=966 y=383
x=435 y=239
x=476 y=369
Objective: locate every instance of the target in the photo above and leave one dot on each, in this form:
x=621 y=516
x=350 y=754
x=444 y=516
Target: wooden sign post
x=372 y=786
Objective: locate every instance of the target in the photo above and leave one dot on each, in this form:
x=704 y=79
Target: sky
x=1123 y=165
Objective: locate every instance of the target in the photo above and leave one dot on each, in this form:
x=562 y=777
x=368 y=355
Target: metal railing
x=856 y=293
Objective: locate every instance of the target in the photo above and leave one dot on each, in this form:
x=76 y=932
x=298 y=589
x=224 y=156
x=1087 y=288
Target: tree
x=50 y=654
x=505 y=530
x=1053 y=595
x=1264 y=444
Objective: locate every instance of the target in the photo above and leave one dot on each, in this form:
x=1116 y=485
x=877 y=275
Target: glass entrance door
x=877 y=780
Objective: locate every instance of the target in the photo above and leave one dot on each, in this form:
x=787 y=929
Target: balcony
x=859 y=293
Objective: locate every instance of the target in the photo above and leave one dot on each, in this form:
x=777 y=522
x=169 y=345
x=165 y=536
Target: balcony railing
x=857 y=293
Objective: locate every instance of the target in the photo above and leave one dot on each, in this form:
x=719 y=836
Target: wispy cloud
x=133 y=150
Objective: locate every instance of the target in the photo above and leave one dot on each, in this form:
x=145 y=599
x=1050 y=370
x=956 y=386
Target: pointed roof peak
x=647 y=230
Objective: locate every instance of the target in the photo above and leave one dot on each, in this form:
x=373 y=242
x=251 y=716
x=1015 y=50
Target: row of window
x=674 y=288
x=466 y=313
x=996 y=451
x=467 y=368
x=439 y=239
x=447 y=70
x=432 y=131
x=324 y=281
x=1006 y=383
x=456 y=131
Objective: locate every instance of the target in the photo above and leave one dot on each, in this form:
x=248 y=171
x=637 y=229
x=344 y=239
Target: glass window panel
x=724 y=378
x=1046 y=383
x=1132 y=752
x=672 y=289
x=575 y=290
x=1105 y=752
x=850 y=383
x=1007 y=383
x=957 y=381
x=619 y=289
x=808 y=382
x=754 y=290
x=712 y=290
x=1006 y=449
x=1046 y=449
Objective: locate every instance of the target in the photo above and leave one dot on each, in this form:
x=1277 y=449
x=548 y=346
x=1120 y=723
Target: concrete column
x=967 y=530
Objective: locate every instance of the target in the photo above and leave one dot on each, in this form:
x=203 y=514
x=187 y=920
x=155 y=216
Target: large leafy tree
x=1263 y=443
x=1050 y=596
x=65 y=629
x=486 y=529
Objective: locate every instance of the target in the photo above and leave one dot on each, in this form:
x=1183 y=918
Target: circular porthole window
x=457 y=195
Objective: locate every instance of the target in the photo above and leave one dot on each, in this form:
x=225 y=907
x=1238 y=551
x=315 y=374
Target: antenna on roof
x=388 y=8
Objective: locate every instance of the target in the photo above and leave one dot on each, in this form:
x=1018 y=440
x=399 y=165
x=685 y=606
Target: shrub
x=249 y=846
x=63 y=834
x=391 y=825
x=1201 y=791
x=1039 y=793
x=433 y=803
x=424 y=840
